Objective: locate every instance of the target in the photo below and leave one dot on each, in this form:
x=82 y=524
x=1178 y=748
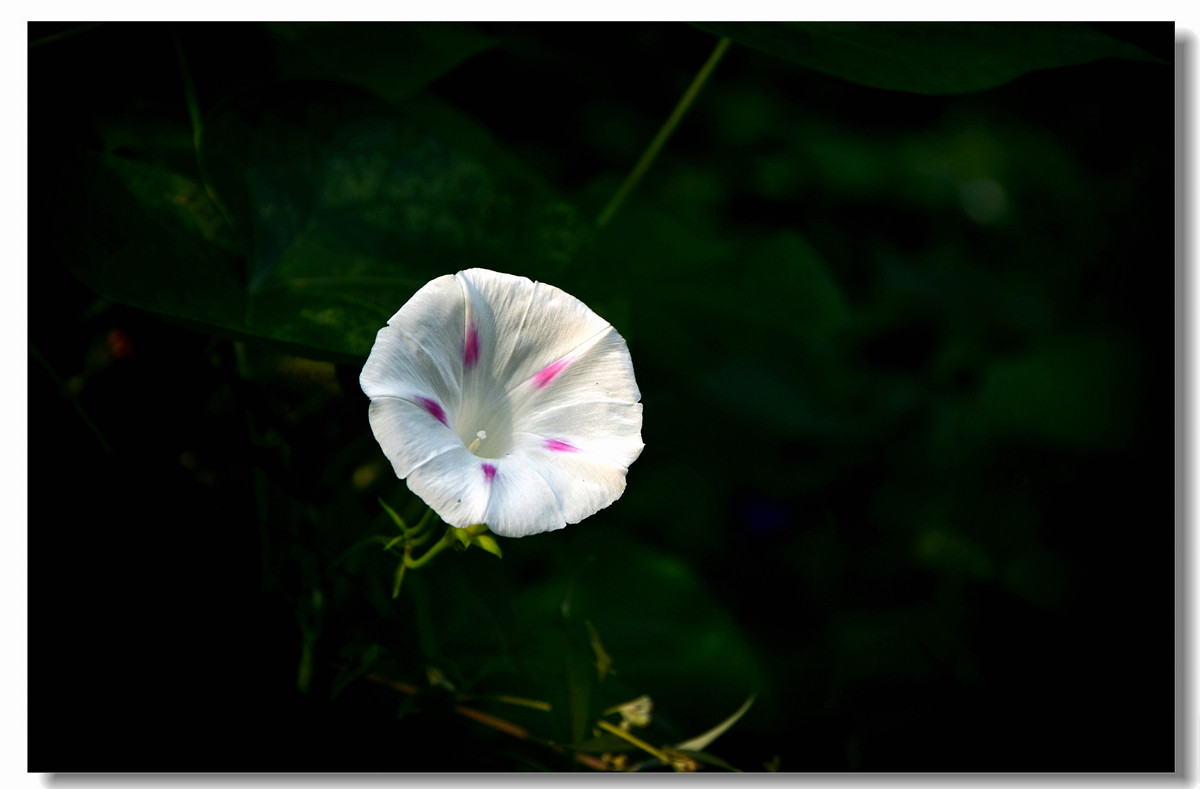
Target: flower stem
x=447 y=540
x=418 y=538
x=645 y=746
x=656 y=144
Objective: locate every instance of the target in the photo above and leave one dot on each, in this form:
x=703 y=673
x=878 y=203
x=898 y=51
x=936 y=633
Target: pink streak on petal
x=471 y=347
x=489 y=472
x=432 y=407
x=560 y=446
x=547 y=375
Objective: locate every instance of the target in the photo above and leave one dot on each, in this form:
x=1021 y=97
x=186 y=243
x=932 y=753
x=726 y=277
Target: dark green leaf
x=344 y=207
x=639 y=600
x=154 y=240
x=393 y=61
x=928 y=57
x=702 y=741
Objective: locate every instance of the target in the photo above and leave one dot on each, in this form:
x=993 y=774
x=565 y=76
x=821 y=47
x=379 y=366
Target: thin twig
x=656 y=144
x=66 y=392
x=497 y=723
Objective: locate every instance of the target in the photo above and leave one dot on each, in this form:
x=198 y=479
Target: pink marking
x=433 y=408
x=547 y=375
x=471 y=347
x=489 y=472
x=560 y=446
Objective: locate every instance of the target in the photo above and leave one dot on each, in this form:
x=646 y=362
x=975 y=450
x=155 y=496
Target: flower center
x=484 y=424
x=482 y=446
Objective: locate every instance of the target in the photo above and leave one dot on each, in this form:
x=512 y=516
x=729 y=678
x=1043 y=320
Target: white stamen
x=480 y=436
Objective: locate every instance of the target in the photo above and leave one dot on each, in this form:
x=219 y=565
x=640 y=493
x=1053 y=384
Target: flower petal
x=604 y=430
x=522 y=501
x=409 y=433
x=414 y=354
x=456 y=485
x=522 y=325
x=586 y=482
x=600 y=365
x=591 y=403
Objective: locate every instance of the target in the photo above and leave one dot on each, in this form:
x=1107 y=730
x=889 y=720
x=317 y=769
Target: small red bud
x=118 y=344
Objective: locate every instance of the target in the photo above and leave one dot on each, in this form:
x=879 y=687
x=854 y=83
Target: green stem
x=193 y=107
x=59 y=36
x=656 y=144
x=399 y=579
x=420 y=539
x=645 y=746
x=421 y=524
x=418 y=535
x=447 y=540
x=66 y=392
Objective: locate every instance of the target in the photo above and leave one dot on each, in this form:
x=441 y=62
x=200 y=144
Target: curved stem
x=421 y=524
x=419 y=538
x=656 y=144
x=447 y=540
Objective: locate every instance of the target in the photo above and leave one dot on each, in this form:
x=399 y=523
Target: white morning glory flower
x=504 y=401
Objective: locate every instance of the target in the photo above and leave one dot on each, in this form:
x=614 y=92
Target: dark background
x=905 y=361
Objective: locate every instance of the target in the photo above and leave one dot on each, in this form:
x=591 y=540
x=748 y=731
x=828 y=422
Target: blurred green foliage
x=901 y=358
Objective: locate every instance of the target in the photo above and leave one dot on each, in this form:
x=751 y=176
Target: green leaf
x=151 y=238
x=780 y=285
x=671 y=637
x=928 y=57
x=702 y=741
x=339 y=208
x=391 y=60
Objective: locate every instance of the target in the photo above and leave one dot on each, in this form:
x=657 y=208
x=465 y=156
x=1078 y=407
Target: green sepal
x=394 y=515
x=464 y=537
x=489 y=544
